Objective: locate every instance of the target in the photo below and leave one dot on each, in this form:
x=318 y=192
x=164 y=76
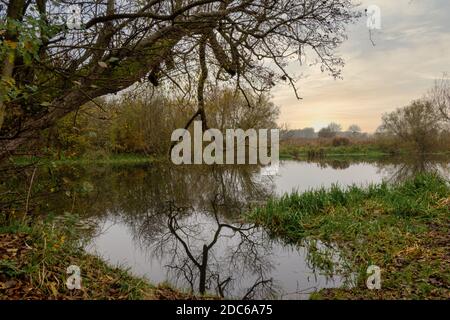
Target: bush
x=340 y=141
x=143 y=124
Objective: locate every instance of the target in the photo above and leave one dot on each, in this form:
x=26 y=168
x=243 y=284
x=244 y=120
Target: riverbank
x=35 y=256
x=403 y=229
x=293 y=152
x=289 y=151
x=113 y=159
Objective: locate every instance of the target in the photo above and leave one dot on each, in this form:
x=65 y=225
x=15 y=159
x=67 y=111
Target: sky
x=411 y=50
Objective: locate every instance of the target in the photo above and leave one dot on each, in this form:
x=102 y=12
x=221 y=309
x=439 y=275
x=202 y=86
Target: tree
x=49 y=70
x=439 y=96
x=143 y=122
x=334 y=127
x=326 y=133
x=354 y=128
x=418 y=124
x=306 y=133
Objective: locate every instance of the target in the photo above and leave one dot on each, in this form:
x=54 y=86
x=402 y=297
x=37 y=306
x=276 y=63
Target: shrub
x=340 y=141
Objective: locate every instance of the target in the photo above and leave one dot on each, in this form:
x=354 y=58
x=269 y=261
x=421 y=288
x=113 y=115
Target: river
x=184 y=225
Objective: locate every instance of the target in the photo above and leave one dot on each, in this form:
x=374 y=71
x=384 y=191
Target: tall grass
x=403 y=228
x=292 y=212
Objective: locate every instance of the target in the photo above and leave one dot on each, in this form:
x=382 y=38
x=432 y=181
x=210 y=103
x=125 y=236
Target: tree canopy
x=420 y=124
x=49 y=70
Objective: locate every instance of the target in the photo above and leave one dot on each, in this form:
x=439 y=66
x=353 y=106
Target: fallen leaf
x=102 y=64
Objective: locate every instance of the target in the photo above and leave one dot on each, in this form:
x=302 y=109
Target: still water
x=184 y=226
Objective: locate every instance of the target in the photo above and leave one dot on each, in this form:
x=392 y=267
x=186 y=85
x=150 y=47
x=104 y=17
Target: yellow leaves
x=27 y=45
x=11 y=250
x=109 y=278
x=8 y=81
x=445 y=202
x=11 y=44
x=53 y=289
x=414 y=250
x=411 y=249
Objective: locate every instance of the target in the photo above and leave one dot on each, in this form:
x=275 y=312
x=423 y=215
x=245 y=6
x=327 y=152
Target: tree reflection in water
x=400 y=169
x=210 y=250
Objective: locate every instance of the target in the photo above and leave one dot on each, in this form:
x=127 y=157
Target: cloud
x=412 y=49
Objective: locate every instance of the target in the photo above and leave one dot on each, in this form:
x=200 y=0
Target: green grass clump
x=403 y=228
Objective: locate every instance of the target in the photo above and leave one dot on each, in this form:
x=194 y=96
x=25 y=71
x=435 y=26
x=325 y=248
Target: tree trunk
x=14 y=12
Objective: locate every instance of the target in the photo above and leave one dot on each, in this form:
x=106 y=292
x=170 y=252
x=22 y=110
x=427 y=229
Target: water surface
x=184 y=226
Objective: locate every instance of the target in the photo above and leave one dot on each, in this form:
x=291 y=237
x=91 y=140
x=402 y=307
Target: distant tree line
x=423 y=126
x=330 y=131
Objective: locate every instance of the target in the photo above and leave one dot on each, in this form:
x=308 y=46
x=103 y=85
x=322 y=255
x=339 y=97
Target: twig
x=29 y=189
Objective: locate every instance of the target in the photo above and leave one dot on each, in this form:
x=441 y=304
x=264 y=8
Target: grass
x=115 y=159
x=324 y=148
x=402 y=228
x=299 y=152
x=35 y=256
